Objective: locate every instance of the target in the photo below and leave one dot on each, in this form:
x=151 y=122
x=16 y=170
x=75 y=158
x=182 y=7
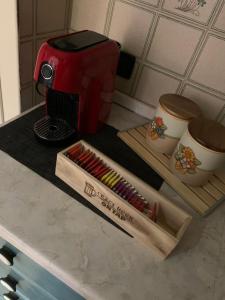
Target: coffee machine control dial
x=47 y=71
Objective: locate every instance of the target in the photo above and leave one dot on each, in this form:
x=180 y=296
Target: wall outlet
x=126 y=65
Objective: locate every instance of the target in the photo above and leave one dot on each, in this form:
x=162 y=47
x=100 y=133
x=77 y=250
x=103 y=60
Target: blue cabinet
x=32 y=281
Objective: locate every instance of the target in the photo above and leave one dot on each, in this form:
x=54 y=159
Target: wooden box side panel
x=115 y=208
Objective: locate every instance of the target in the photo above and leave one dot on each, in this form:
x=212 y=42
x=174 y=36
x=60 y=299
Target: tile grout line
x=145 y=51
x=205 y=90
x=195 y=56
x=68 y=15
x=216 y=14
x=109 y=16
x=136 y=80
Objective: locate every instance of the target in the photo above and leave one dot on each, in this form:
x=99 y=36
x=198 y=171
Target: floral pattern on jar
x=157 y=128
x=186 y=161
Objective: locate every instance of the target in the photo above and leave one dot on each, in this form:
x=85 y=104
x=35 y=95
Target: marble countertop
x=95 y=258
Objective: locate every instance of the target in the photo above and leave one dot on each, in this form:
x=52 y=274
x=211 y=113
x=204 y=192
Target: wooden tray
x=201 y=199
x=161 y=236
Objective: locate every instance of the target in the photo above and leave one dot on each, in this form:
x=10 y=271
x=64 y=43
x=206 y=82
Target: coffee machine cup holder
x=53 y=130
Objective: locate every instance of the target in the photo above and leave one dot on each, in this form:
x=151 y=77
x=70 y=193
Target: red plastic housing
x=89 y=73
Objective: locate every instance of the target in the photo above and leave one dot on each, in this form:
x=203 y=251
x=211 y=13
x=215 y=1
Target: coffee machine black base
x=54 y=131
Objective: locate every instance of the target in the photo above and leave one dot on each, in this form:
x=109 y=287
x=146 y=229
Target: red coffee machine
x=79 y=72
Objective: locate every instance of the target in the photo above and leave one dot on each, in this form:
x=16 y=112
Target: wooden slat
x=139 y=134
x=190 y=197
x=142 y=130
x=142 y=141
x=213 y=191
x=218 y=184
x=204 y=195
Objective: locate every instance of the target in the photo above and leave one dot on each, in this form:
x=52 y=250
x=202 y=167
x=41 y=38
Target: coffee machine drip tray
x=53 y=130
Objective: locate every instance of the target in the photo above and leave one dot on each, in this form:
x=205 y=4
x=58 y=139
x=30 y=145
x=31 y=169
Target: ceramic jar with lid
x=172 y=116
x=200 y=152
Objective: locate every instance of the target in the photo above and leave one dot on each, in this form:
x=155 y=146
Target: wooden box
x=161 y=236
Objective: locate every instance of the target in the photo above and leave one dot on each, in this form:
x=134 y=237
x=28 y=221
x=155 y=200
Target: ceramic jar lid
x=208 y=133
x=180 y=106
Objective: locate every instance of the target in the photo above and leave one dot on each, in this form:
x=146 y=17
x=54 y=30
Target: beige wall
x=1 y=105
x=179 y=45
x=9 y=71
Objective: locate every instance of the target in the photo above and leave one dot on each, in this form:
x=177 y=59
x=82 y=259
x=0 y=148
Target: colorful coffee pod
x=95 y=166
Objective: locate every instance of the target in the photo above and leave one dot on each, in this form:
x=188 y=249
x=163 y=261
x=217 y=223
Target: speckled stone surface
x=96 y=259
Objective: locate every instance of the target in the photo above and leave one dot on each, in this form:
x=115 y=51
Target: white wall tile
x=40 y=41
x=191 y=9
x=25 y=8
x=52 y=18
x=210 y=104
x=130 y=27
x=51 y=15
x=26 y=62
x=39 y=98
x=220 y=21
x=153 y=84
x=89 y=14
x=26 y=98
x=169 y=37
x=210 y=67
